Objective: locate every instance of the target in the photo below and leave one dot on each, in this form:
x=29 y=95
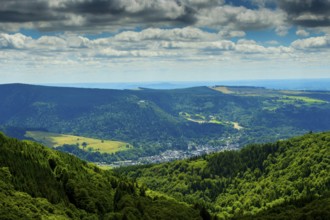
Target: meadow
x=92 y=144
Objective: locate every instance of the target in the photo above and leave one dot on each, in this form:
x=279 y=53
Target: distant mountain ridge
x=291 y=84
x=157 y=120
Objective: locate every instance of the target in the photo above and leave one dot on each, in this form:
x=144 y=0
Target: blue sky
x=79 y=41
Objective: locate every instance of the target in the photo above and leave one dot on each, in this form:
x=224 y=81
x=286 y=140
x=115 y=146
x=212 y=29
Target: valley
x=171 y=155
x=209 y=153
x=147 y=123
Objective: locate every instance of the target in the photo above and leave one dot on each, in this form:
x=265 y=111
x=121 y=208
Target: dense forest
x=286 y=179
x=153 y=121
x=39 y=183
x=282 y=180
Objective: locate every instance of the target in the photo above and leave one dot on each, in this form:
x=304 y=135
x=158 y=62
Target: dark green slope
x=282 y=180
x=39 y=183
x=301 y=209
x=157 y=120
x=114 y=114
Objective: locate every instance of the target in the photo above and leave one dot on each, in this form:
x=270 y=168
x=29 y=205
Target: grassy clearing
x=292 y=92
x=215 y=121
x=237 y=126
x=197 y=121
x=55 y=140
x=198 y=118
x=223 y=89
x=201 y=119
x=307 y=100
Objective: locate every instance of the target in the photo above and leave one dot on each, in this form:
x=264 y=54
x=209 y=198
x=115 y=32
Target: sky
x=79 y=41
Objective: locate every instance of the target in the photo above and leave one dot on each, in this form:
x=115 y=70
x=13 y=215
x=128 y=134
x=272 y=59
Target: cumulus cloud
x=312 y=43
x=231 y=33
x=88 y=14
x=15 y=41
x=111 y=15
x=307 y=13
x=241 y=18
x=161 y=48
x=302 y=33
x=152 y=43
x=182 y=34
x=173 y=44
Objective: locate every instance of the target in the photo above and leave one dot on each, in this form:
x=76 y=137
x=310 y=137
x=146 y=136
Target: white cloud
x=183 y=39
x=149 y=46
x=74 y=41
x=13 y=41
x=231 y=33
x=176 y=34
x=50 y=42
x=310 y=17
x=112 y=15
x=302 y=33
x=110 y=52
x=312 y=43
x=204 y=2
x=250 y=48
x=241 y=18
x=170 y=9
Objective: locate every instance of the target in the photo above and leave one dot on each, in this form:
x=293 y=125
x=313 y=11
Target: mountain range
x=154 y=121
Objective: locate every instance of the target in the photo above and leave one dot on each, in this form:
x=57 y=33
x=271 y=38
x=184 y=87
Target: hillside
x=39 y=183
x=153 y=121
x=54 y=140
x=283 y=180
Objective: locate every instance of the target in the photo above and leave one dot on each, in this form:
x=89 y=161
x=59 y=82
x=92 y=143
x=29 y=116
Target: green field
x=283 y=96
x=304 y=99
x=56 y=140
x=223 y=89
x=199 y=118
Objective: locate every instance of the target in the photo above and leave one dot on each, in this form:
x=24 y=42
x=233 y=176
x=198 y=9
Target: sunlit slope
x=56 y=140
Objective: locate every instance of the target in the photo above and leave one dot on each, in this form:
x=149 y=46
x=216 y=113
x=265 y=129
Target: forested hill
x=39 y=183
x=153 y=121
x=283 y=180
x=128 y=115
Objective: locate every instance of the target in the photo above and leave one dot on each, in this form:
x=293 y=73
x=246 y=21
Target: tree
x=84 y=145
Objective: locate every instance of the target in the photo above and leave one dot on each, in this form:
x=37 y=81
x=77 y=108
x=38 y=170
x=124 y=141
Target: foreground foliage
x=39 y=183
x=282 y=180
